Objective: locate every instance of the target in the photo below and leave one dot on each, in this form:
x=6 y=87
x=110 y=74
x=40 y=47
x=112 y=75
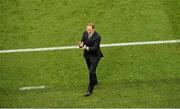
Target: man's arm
x=83 y=37
x=81 y=43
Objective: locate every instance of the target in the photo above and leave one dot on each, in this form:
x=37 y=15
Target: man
x=90 y=42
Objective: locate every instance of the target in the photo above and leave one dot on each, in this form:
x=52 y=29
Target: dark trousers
x=92 y=65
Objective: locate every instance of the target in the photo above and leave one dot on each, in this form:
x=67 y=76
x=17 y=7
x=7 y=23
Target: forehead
x=89 y=27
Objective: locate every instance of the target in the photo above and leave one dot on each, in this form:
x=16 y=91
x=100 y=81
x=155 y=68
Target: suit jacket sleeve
x=96 y=44
x=82 y=39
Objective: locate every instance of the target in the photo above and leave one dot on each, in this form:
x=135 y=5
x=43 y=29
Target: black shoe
x=87 y=93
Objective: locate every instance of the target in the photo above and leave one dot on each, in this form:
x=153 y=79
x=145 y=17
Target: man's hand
x=81 y=44
x=85 y=48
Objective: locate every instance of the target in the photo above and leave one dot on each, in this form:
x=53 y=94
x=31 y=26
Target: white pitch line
x=141 y=43
x=102 y=45
x=31 y=88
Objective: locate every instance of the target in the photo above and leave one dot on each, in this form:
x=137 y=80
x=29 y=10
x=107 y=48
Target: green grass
x=131 y=76
x=44 y=23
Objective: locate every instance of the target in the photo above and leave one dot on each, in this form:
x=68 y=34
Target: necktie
x=89 y=36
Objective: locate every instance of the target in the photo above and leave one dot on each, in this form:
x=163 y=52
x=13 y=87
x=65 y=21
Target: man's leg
x=92 y=65
x=92 y=75
x=88 y=63
x=89 y=86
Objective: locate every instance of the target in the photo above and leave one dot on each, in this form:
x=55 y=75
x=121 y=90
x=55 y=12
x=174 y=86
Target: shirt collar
x=91 y=34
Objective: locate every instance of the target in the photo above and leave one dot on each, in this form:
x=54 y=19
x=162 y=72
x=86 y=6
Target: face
x=90 y=30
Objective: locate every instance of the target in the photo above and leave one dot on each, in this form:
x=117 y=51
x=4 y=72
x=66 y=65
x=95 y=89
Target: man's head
x=90 y=28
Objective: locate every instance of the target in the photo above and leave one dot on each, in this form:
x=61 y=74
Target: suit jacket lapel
x=90 y=40
x=93 y=35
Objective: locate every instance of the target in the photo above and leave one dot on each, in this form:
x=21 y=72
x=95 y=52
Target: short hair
x=92 y=25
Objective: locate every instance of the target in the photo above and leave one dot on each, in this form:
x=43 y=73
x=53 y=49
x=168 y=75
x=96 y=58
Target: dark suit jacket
x=93 y=43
